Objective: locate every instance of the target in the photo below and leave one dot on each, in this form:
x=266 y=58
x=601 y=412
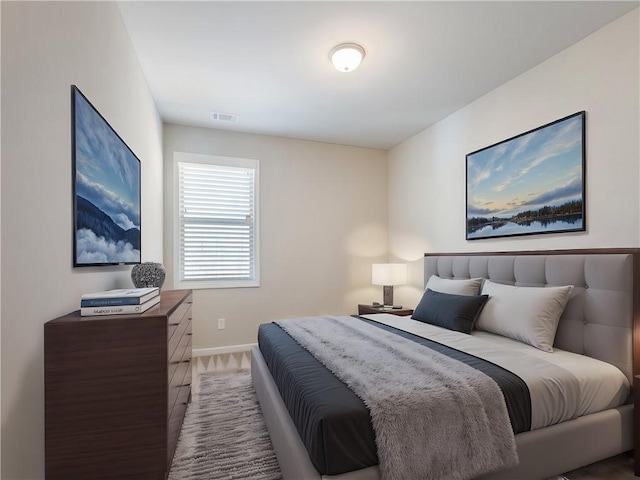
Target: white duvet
x=563 y=385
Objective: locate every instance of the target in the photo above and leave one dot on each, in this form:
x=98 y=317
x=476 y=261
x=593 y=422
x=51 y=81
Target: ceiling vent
x=225 y=117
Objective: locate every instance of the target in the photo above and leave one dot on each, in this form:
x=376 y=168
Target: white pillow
x=454 y=287
x=527 y=314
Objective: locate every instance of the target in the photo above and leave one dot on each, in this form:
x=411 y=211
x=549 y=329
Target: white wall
x=323 y=222
x=46 y=47
x=600 y=74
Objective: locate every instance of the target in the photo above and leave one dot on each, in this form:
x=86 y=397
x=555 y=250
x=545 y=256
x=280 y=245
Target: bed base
x=543 y=453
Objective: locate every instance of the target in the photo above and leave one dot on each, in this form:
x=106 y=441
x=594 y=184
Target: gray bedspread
x=434 y=417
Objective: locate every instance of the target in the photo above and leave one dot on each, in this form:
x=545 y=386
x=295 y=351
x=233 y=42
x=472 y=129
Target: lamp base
x=387 y=295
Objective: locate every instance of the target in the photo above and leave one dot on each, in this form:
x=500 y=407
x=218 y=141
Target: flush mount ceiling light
x=347 y=56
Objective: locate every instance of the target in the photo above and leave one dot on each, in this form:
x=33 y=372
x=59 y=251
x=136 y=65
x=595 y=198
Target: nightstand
x=365 y=309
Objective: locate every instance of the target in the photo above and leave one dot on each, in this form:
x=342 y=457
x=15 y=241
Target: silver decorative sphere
x=148 y=274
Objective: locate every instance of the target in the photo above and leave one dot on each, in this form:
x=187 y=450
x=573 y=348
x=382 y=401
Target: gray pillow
x=527 y=314
x=454 y=312
x=455 y=287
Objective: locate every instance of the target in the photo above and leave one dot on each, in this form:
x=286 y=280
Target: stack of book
x=124 y=301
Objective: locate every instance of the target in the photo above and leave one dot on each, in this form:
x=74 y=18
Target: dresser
x=116 y=391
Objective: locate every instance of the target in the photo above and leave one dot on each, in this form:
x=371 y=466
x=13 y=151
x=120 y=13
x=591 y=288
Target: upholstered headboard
x=599 y=318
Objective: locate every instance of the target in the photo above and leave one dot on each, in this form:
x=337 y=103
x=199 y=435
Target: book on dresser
x=119 y=309
x=121 y=296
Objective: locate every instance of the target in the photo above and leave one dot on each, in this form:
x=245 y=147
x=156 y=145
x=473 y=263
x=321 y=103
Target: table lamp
x=388 y=275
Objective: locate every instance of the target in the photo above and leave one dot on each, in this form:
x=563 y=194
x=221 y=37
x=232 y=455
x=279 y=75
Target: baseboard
x=206 y=352
x=221 y=359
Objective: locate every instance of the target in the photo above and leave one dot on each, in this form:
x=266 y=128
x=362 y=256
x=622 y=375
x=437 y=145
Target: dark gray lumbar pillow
x=454 y=312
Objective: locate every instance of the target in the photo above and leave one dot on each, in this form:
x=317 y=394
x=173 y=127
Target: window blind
x=217 y=241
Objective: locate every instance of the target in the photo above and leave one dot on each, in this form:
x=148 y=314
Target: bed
x=598 y=323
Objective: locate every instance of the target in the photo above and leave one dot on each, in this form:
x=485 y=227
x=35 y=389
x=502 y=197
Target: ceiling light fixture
x=347 y=56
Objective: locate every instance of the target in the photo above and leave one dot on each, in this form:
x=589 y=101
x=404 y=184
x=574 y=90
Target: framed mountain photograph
x=106 y=190
x=529 y=184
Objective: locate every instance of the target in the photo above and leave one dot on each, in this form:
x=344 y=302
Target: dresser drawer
x=176 y=338
x=175 y=420
x=187 y=354
x=181 y=353
x=183 y=345
x=184 y=310
x=177 y=390
x=178 y=381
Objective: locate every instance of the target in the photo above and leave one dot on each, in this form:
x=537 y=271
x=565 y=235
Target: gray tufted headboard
x=599 y=318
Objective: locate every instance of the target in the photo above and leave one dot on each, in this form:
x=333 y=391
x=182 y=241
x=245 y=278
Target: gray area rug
x=224 y=435
x=224 y=438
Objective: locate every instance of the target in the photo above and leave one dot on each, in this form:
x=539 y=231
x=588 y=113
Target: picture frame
x=106 y=181
x=529 y=184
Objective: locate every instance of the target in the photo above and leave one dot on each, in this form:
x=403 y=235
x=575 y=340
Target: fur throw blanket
x=434 y=417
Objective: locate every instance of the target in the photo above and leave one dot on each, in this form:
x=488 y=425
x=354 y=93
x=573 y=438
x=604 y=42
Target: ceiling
x=268 y=62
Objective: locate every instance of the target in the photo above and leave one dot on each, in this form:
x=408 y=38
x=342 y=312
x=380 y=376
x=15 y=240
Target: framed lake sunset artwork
x=529 y=184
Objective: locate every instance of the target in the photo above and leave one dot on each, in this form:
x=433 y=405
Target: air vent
x=225 y=117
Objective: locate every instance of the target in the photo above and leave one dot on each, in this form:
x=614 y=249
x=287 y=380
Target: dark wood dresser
x=116 y=391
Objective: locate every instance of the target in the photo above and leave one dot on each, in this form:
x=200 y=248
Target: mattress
x=334 y=424
x=563 y=385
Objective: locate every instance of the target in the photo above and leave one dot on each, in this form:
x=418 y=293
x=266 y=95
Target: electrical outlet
x=221 y=322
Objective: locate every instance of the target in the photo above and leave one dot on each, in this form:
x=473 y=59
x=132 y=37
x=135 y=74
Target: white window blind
x=217 y=225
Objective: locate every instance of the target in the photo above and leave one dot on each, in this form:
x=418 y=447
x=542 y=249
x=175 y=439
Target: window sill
x=208 y=285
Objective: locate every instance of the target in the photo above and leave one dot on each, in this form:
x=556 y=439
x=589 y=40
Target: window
x=217 y=215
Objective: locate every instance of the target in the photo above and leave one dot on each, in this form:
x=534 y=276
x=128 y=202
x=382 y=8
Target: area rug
x=224 y=436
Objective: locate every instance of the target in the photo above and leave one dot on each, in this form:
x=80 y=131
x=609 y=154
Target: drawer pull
x=189 y=333
x=186 y=385
x=174 y=324
x=186 y=361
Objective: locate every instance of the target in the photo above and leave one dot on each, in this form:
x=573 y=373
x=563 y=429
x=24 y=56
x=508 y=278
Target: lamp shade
x=389 y=274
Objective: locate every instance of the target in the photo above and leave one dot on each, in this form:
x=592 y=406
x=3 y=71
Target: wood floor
x=614 y=468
